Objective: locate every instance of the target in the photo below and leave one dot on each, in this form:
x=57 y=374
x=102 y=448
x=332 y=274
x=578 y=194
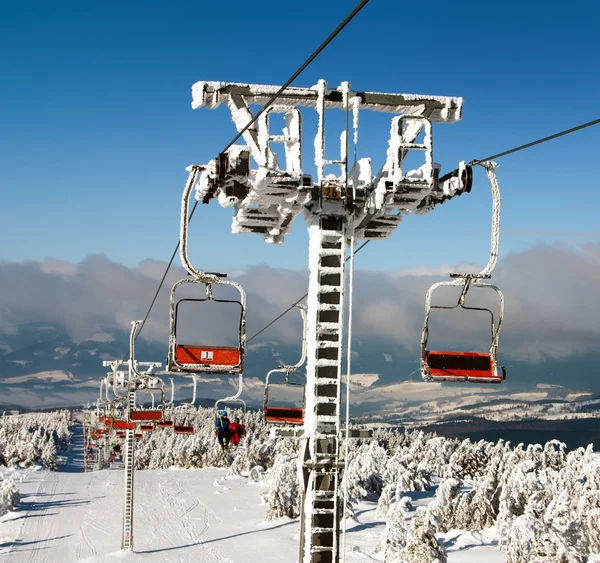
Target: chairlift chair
x=196 y=357
x=280 y=415
x=123 y=425
x=475 y=367
x=183 y=429
x=478 y=367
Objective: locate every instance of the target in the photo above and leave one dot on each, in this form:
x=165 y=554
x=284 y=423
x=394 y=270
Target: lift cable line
x=310 y=59
x=474 y=162
x=162 y=281
x=302 y=68
x=538 y=142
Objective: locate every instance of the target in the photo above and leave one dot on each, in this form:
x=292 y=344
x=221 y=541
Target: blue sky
x=96 y=126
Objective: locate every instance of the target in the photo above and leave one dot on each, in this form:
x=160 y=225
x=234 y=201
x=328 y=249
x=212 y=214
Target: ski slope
x=199 y=515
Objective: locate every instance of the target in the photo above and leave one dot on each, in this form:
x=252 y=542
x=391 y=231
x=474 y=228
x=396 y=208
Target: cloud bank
x=552 y=302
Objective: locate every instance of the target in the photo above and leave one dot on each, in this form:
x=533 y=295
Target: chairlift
x=144 y=382
x=183 y=429
x=281 y=415
x=123 y=425
x=195 y=357
x=443 y=365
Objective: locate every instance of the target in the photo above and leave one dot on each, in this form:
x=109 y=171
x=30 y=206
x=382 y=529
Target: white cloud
x=552 y=302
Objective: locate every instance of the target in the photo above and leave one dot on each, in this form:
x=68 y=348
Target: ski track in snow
x=197 y=515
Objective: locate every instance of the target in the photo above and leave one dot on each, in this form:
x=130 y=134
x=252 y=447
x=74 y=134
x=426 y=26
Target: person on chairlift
x=236 y=430
x=223 y=433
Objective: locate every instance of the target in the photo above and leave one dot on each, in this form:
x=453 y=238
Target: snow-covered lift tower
x=353 y=204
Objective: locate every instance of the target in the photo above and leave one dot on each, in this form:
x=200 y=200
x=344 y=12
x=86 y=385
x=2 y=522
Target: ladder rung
x=330 y=288
x=329 y=307
x=326 y=418
x=330 y=270
x=328 y=326
x=328 y=344
x=332 y=234
x=325 y=363
x=326 y=381
x=330 y=252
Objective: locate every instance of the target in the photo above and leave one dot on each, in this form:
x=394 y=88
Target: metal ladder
x=321 y=450
x=127 y=540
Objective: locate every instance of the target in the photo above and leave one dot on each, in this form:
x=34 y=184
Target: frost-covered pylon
x=355 y=203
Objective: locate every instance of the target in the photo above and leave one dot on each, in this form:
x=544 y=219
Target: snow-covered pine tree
x=421 y=543
x=10 y=497
x=284 y=493
x=394 y=536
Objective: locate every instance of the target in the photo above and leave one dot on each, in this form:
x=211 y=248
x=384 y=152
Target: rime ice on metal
x=267 y=195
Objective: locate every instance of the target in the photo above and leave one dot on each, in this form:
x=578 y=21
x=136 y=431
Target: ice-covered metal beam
x=447 y=109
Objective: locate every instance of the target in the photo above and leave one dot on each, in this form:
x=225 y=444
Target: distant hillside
x=40 y=362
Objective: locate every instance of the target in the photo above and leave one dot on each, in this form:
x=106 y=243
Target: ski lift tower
x=339 y=209
x=132 y=381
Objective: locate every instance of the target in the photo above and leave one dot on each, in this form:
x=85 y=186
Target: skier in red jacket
x=237 y=430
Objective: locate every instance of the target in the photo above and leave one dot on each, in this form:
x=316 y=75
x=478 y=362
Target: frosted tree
x=33 y=438
x=406 y=504
x=10 y=497
x=394 y=536
x=522 y=483
x=386 y=499
x=364 y=471
x=442 y=508
x=480 y=513
x=532 y=540
x=421 y=543
x=284 y=492
x=412 y=479
x=554 y=454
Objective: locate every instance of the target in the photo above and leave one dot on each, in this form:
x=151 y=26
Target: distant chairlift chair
x=279 y=415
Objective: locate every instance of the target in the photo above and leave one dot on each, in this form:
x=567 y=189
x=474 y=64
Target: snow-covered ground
x=200 y=515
